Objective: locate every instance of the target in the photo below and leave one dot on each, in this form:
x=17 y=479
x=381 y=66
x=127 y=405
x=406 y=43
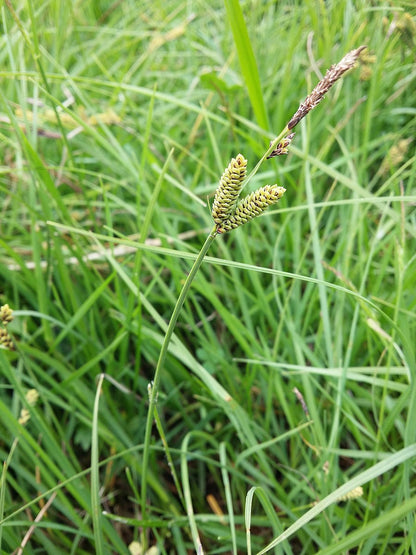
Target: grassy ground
x=292 y=368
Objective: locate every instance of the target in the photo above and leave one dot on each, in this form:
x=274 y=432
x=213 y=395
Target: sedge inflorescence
x=228 y=212
x=251 y=206
x=229 y=188
x=6 y=316
x=331 y=77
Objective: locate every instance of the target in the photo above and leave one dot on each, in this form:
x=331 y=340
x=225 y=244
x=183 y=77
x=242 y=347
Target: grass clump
x=286 y=373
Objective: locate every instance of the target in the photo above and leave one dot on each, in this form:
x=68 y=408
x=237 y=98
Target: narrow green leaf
x=247 y=60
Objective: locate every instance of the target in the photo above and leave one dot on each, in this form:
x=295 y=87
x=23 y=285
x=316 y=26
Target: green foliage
x=117 y=121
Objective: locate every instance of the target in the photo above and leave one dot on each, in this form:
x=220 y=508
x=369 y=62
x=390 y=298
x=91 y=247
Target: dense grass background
x=117 y=120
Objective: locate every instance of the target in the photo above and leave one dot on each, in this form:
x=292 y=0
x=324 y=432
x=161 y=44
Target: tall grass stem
x=162 y=356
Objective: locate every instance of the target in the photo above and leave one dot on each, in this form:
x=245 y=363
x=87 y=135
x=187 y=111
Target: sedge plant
x=229 y=211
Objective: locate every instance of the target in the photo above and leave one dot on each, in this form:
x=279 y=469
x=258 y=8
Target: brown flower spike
x=331 y=76
x=282 y=147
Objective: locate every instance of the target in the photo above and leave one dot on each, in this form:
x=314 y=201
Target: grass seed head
x=6 y=314
x=353 y=494
x=229 y=188
x=6 y=339
x=331 y=77
x=251 y=206
x=282 y=147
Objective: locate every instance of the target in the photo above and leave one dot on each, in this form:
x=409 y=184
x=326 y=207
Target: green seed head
x=6 y=314
x=229 y=188
x=5 y=339
x=251 y=206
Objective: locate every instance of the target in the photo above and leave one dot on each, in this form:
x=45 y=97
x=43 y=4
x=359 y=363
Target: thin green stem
x=36 y=53
x=95 y=475
x=162 y=356
x=154 y=389
x=272 y=146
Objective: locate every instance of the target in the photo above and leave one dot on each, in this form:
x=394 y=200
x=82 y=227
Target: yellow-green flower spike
x=32 y=396
x=353 y=494
x=5 y=339
x=229 y=188
x=6 y=314
x=251 y=206
x=24 y=417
